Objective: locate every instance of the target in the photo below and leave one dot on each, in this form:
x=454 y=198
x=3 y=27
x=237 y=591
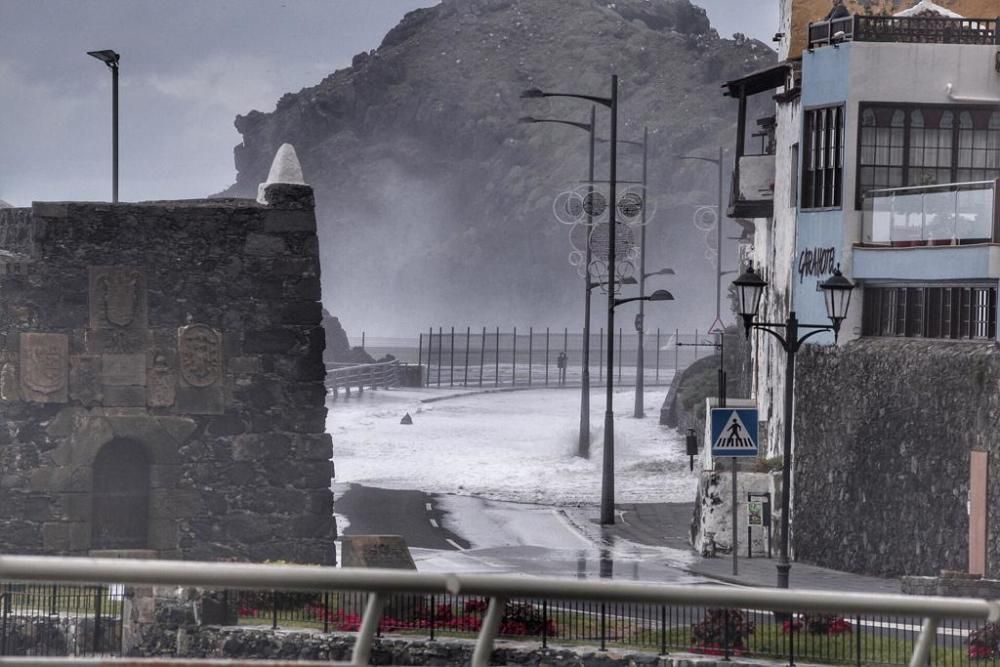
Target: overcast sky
x=188 y=68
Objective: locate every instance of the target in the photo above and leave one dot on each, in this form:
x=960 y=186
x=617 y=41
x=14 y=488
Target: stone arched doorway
x=120 y=496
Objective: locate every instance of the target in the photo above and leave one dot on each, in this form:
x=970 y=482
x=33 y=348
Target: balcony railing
x=912 y=29
x=950 y=214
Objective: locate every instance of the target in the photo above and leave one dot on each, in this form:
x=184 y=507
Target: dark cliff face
x=435 y=205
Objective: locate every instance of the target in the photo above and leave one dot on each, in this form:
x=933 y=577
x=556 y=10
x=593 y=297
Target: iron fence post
x=440 y=352
x=433 y=614
x=663 y=630
x=531 y=336
x=513 y=360
x=545 y=623
x=677 y=349
x=430 y=354
x=791 y=640
x=546 y=356
x=97 y=619
x=274 y=610
x=482 y=357
x=496 y=369
x=451 y=360
x=857 y=634
x=604 y=619
x=726 y=635
x=420 y=356
x=326 y=613
x=468 y=334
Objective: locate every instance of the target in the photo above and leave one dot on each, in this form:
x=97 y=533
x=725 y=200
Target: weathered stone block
x=201 y=400
x=123 y=369
x=56 y=537
x=270 y=341
x=124 y=396
x=265 y=245
x=163 y=533
x=290 y=221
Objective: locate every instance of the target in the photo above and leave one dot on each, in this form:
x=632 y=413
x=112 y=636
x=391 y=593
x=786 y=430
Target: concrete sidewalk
x=669 y=525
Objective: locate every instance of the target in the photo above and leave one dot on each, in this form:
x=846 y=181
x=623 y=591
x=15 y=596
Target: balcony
x=904 y=29
x=934 y=232
x=753 y=187
x=950 y=214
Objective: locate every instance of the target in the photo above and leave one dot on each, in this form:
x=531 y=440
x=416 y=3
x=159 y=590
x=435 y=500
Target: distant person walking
x=561 y=365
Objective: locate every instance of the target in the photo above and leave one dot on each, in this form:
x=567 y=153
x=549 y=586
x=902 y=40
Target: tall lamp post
x=110 y=58
x=583 y=442
x=837 y=296
x=608 y=462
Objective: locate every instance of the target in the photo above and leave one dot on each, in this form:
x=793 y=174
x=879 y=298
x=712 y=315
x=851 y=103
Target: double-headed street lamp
x=608 y=461
x=583 y=442
x=837 y=297
x=110 y=58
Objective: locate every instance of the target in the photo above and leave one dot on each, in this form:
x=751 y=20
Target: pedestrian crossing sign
x=734 y=431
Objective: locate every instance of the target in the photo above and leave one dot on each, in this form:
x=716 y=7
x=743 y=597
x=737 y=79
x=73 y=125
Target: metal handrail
x=498 y=588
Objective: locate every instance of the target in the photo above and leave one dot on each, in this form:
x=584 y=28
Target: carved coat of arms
x=44 y=362
x=117 y=291
x=200 y=352
x=118 y=297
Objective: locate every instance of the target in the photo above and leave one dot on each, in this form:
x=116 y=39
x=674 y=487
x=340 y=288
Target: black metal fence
x=491 y=358
x=41 y=620
x=805 y=636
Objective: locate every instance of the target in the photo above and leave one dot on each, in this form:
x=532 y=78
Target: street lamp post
x=608 y=461
x=583 y=442
x=110 y=58
x=837 y=297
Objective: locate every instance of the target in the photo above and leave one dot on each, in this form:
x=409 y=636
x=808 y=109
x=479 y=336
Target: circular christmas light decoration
x=574 y=206
x=630 y=204
x=594 y=203
x=705 y=218
x=624 y=241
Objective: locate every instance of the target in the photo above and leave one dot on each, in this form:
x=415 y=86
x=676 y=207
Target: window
x=907 y=145
x=954 y=311
x=823 y=158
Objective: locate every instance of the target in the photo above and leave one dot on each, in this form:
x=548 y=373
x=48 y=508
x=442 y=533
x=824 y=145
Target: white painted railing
x=498 y=588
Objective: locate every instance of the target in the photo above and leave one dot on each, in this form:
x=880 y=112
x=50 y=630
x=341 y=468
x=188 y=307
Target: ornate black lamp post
x=837 y=296
x=110 y=58
x=608 y=462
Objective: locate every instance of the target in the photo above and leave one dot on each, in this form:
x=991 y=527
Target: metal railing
x=384 y=374
x=947 y=214
x=906 y=29
x=724 y=603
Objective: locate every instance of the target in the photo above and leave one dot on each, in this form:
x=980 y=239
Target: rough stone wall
x=187 y=332
x=884 y=428
x=250 y=643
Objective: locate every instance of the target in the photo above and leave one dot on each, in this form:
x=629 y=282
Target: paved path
x=412 y=514
x=668 y=524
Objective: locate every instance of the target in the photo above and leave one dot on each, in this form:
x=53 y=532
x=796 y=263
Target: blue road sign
x=734 y=431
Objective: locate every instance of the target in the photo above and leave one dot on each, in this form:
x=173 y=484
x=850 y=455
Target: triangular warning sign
x=734 y=435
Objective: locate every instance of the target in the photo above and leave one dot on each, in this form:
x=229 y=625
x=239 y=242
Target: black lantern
x=837 y=295
x=749 y=289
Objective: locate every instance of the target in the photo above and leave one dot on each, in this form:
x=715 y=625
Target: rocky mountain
x=436 y=205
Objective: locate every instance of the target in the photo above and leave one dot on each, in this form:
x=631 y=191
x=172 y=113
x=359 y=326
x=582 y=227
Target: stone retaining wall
x=249 y=643
x=883 y=432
